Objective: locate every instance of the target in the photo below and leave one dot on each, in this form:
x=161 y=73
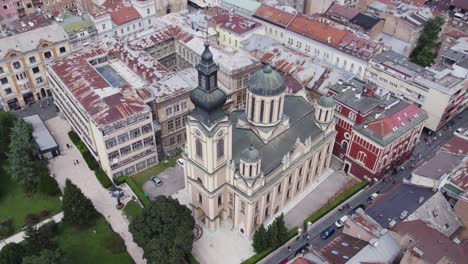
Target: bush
x=102 y=177
x=48 y=185
x=87 y=156
x=44 y=213
x=120 y=180
x=132 y=209
x=335 y=202
x=6 y=227
x=31 y=219
x=191 y=259
x=114 y=243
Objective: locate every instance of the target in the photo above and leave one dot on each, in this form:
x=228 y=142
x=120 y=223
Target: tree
x=38 y=239
x=46 y=185
x=164 y=230
x=7 y=121
x=12 y=253
x=272 y=235
x=20 y=157
x=46 y=256
x=428 y=42
x=78 y=210
x=282 y=230
x=259 y=243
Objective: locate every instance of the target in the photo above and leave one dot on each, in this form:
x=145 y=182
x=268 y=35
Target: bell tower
x=209 y=144
x=324 y=113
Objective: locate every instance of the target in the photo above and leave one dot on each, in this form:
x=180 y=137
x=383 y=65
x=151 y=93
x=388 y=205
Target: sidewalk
x=63 y=168
x=19 y=237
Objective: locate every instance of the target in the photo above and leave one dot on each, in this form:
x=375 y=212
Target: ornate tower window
x=198 y=148
x=220 y=148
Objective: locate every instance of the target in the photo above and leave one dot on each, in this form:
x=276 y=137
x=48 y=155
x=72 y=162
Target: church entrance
x=346 y=168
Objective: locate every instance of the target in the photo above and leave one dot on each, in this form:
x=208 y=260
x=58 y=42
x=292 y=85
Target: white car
x=340 y=222
x=180 y=162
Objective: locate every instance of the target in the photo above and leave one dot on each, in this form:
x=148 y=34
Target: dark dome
x=208 y=100
x=326 y=101
x=207 y=55
x=266 y=82
x=250 y=155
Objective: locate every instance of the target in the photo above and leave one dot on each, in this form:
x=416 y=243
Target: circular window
x=347 y=135
x=197 y=132
x=220 y=133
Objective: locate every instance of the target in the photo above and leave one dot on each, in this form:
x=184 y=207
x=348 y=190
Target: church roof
x=250 y=154
x=266 y=82
x=302 y=126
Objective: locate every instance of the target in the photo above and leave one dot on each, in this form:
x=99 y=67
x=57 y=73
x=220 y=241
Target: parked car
x=327 y=232
x=180 y=162
x=340 y=222
x=156 y=181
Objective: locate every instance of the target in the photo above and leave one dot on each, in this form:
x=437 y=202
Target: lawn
x=87 y=246
x=132 y=209
x=15 y=204
x=142 y=177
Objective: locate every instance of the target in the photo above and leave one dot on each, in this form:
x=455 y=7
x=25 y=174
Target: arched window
x=220 y=200
x=198 y=148
x=243 y=168
x=220 y=148
x=252 y=109
x=320 y=114
x=262 y=106
x=344 y=145
x=361 y=156
x=326 y=115
x=272 y=104
x=250 y=170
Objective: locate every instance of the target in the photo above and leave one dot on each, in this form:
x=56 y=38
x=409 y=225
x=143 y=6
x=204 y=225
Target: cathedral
x=243 y=168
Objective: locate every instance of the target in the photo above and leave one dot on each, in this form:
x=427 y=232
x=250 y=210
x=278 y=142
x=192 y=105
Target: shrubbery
x=31 y=219
x=6 y=227
x=103 y=178
x=114 y=243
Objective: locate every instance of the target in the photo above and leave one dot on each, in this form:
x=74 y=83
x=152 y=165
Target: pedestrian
x=77 y=162
x=308 y=237
x=74 y=163
x=289 y=248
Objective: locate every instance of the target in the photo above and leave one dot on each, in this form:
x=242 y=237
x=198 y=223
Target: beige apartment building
x=438 y=90
x=243 y=168
x=34 y=43
x=97 y=93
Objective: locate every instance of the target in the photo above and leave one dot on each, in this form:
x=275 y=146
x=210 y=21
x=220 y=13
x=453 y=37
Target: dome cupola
x=250 y=160
x=266 y=82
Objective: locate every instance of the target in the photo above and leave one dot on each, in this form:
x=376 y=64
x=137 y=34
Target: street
x=422 y=152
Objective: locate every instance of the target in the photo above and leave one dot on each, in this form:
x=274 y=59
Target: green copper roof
x=450 y=187
x=73 y=23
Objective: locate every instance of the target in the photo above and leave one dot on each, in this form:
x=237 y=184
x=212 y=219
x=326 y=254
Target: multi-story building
x=244 y=167
x=33 y=43
x=438 y=90
x=124 y=19
x=232 y=29
x=375 y=131
x=164 y=7
x=54 y=7
x=79 y=29
x=335 y=46
x=104 y=102
x=9 y=13
x=244 y=7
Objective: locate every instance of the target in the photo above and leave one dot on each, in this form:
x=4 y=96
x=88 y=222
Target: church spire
x=207 y=97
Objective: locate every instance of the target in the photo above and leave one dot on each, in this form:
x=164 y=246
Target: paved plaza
x=63 y=167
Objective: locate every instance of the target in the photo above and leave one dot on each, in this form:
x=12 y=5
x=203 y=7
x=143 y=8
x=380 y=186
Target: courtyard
x=173 y=181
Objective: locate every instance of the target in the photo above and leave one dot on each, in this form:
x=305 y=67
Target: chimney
x=329 y=40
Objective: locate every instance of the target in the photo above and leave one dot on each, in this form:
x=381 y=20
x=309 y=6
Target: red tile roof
x=236 y=24
x=457 y=145
x=386 y=125
x=341 y=11
x=273 y=15
x=124 y=15
x=301 y=260
x=433 y=244
x=342 y=248
x=317 y=31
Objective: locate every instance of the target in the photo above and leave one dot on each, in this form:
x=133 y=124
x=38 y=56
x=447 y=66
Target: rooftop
x=365 y=223
x=73 y=24
x=341 y=249
x=124 y=15
x=30 y=40
x=30 y=22
x=274 y=15
x=41 y=133
x=235 y=23
x=388 y=207
x=439 y=165
x=432 y=244
x=367 y=22
x=338 y=11
x=437 y=213
x=248 y=5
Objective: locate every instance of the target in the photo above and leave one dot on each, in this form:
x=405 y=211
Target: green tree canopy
x=20 y=156
x=12 y=253
x=7 y=120
x=259 y=239
x=46 y=256
x=428 y=41
x=41 y=238
x=78 y=210
x=164 y=230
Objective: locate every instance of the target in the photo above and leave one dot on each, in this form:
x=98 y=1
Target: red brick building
x=376 y=131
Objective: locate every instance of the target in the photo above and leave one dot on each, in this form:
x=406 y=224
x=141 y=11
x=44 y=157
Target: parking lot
x=173 y=181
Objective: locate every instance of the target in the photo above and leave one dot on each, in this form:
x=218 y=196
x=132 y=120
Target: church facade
x=243 y=168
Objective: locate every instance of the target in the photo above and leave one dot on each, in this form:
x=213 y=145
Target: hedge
x=103 y=178
x=90 y=160
x=131 y=183
x=335 y=202
x=259 y=256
